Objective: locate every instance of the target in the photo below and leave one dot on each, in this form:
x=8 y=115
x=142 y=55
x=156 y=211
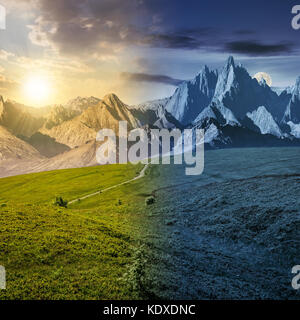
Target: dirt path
x=141 y=175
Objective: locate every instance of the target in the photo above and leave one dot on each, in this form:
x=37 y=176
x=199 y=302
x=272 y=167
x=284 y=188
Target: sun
x=263 y=75
x=37 y=89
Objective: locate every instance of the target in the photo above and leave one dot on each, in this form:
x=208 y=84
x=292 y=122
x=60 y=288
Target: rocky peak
x=112 y=100
x=230 y=63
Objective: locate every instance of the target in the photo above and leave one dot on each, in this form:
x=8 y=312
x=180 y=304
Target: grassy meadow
x=90 y=250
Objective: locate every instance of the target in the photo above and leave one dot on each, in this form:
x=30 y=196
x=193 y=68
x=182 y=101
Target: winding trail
x=141 y=175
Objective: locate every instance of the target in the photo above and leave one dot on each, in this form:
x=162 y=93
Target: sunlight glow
x=37 y=89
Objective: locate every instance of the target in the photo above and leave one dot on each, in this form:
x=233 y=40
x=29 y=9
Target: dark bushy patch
x=60 y=202
x=150 y=200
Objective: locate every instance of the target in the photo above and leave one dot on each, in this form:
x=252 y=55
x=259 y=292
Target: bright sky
x=52 y=51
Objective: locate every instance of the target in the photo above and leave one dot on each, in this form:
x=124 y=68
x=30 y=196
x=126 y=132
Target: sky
x=55 y=50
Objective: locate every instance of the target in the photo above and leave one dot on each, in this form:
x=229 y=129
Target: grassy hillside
x=86 y=251
x=68 y=183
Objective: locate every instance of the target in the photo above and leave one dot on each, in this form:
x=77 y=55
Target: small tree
x=59 y=201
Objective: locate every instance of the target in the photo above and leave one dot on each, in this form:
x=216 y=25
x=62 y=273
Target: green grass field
x=90 y=250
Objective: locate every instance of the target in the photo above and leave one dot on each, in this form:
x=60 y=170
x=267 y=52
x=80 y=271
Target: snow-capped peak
x=263 y=82
x=191 y=97
x=292 y=112
x=226 y=80
x=264 y=121
x=230 y=62
x=295 y=129
x=296 y=91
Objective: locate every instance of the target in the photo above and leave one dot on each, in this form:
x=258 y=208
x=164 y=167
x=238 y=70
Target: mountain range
x=234 y=109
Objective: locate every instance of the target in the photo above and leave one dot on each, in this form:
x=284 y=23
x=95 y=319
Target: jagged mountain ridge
x=191 y=97
x=154 y=113
x=240 y=93
x=25 y=120
x=292 y=112
x=232 y=90
x=239 y=101
x=234 y=109
x=83 y=128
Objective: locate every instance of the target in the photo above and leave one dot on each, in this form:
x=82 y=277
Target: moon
x=263 y=75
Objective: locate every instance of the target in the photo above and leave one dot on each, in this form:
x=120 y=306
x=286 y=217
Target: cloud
x=4 y=55
x=144 y=77
x=181 y=39
x=257 y=49
x=7 y=84
x=85 y=27
x=172 y=41
x=104 y=27
x=101 y=29
x=56 y=64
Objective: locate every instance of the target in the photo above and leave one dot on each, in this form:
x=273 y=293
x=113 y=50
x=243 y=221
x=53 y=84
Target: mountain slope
x=232 y=90
x=45 y=145
x=149 y=112
x=81 y=103
x=295 y=129
x=154 y=113
x=191 y=97
x=292 y=112
x=242 y=111
x=58 y=114
x=264 y=121
x=12 y=148
x=106 y=114
x=239 y=92
x=83 y=156
x=18 y=119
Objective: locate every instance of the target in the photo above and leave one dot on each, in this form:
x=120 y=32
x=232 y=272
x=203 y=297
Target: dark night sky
x=257 y=33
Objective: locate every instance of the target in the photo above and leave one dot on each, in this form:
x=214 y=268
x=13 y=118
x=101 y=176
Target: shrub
x=150 y=200
x=92 y=237
x=59 y=201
